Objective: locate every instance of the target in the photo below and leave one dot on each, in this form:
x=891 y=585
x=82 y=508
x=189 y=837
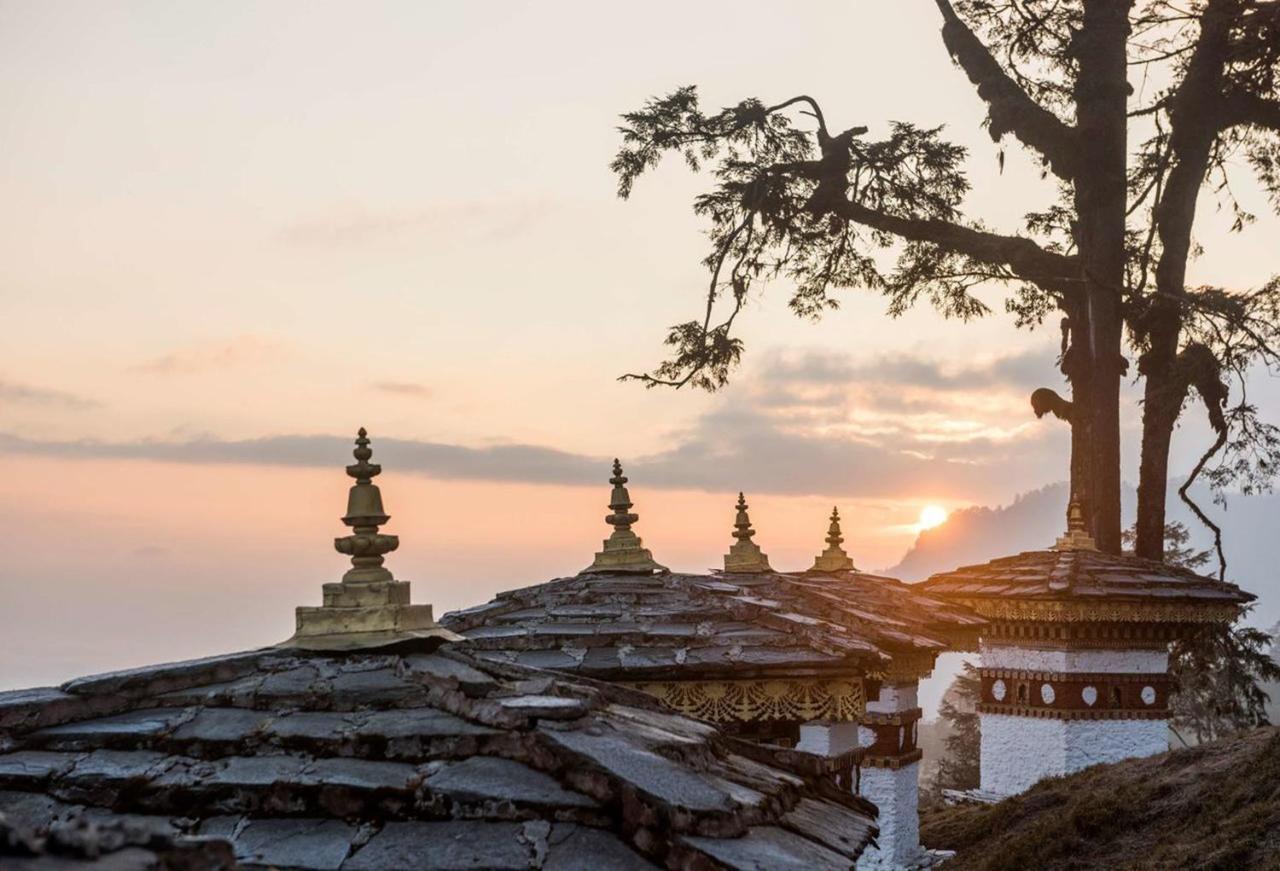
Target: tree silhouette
x=827 y=207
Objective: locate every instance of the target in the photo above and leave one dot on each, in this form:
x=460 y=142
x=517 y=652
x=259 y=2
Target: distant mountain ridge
x=1034 y=520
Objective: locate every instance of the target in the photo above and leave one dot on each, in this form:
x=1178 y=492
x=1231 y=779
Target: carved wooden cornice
x=1052 y=714
x=893 y=763
x=897 y=718
x=907 y=666
x=1102 y=612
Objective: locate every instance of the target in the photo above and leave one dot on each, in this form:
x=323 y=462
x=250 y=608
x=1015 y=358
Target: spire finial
x=620 y=501
x=1077 y=537
x=366 y=546
x=369 y=609
x=623 y=551
x=833 y=559
x=744 y=554
x=834 y=538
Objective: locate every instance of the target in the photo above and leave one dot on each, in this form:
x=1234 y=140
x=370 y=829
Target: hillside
x=1212 y=806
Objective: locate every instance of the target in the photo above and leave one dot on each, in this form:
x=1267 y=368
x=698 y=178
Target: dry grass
x=1216 y=806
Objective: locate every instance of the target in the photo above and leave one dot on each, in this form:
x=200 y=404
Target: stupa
x=825 y=660
x=370 y=742
x=1075 y=656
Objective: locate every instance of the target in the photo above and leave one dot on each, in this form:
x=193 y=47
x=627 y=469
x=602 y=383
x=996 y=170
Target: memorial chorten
x=1075 y=657
x=825 y=662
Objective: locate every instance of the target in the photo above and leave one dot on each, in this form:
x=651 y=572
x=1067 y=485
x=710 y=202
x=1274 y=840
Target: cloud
x=243 y=350
x=793 y=429
x=26 y=394
x=403 y=388
x=727 y=450
x=482 y=220
x=1025 y=369
x=495 y=463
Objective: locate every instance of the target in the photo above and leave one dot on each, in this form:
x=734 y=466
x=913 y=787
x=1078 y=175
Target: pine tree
x=960 y=768
x=1218 y=671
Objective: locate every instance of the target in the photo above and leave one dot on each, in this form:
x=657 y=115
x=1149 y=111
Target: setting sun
x=931 y=516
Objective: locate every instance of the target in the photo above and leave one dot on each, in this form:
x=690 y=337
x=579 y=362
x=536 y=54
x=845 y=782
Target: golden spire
x=366 y=546
x=623 y=551
x=833 y=559
x=744 y=554
x=1077 y=537
x=368 y=608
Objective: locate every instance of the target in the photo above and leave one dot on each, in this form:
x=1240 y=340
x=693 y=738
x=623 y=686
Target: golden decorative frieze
x=745 y=701
x=1102 y=612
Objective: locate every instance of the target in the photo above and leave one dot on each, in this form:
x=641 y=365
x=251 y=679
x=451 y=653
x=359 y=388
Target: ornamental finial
x=368 y=609
x=833 y=559
x=366 y=546
x=1077 y=537
x=623 y=551
x=744 y=554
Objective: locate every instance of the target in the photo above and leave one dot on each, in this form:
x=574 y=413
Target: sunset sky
x=232 y=233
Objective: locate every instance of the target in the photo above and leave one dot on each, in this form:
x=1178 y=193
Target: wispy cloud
x=1027 y=369
x=238 y=351
x=403 y=388
x=27 y=394
x=796 y=429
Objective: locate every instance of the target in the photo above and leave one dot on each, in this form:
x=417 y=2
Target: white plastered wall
x=896 y=792
x=1108 y=661
x=1019 y=751
x=897 y=795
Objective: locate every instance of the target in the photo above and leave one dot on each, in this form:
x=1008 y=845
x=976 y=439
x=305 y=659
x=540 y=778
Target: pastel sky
x=232 y=233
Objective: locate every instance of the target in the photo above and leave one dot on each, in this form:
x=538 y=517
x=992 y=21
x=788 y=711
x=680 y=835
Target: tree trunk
x=1162 y=403
x=1194 y=125
x=1101 y=94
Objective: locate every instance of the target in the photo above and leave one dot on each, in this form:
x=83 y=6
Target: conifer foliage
x=1142 y=112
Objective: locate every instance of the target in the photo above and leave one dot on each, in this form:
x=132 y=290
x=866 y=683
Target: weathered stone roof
x=1084 y=577
x=407 y=760
x=720 y=625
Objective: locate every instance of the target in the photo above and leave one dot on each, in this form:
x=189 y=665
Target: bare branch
x=1204 y=518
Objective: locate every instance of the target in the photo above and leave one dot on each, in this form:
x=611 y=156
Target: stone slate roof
x=408 y=760
x=708 y=626
x=1083 y=576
